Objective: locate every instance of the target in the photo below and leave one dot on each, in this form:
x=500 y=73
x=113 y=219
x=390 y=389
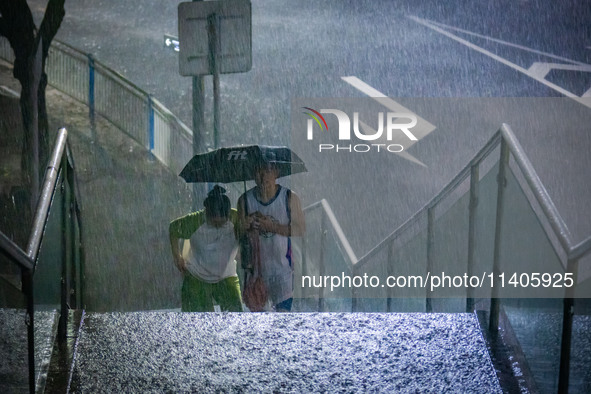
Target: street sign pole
x=198 y=130
x=213 y=27
x=198 y=93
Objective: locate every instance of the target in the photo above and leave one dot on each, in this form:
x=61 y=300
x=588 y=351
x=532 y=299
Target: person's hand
x=261 y=222
x=248 y=222
x=180 y=263
x=265 y=223
x=253 y=220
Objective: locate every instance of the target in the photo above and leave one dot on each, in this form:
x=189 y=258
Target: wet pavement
x=14 y=366
x=316 y=352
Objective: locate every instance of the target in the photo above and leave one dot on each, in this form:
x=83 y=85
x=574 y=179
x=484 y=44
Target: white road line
x=470 y=45
x=422 y=129
x=509 y=44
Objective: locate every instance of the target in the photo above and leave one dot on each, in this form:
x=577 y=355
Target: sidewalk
x=127 y=199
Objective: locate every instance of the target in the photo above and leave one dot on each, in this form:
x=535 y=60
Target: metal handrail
x=554 y=218
x=538 y=189
x=27 y=260
x=15 y=253
x=43 y=205
x=349 y=257
x=340 y=234
x=83 y=57
x=459 y=178
x=559 y=227
x=156 y=111
x=580 y=250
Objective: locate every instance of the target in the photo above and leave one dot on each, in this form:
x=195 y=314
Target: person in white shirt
x=276 y=213
x=209 y=269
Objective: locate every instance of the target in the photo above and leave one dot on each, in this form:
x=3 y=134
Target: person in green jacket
x=209 y=268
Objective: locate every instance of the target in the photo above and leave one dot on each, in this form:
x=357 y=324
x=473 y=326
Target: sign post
x=198 y=126
x=215 y=37
x=213 y=28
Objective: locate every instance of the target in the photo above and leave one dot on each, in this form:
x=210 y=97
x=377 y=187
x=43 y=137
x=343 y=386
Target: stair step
x=295 y=352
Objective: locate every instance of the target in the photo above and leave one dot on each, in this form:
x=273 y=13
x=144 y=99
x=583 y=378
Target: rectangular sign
x=231 y=20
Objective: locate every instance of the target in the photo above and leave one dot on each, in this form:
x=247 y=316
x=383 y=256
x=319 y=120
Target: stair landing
x=271 y=352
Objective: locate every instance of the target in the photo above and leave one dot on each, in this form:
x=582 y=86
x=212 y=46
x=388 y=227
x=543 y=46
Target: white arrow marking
x=540 y=70
x=422 y=129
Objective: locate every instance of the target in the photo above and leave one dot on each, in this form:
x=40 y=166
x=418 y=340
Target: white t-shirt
x=212 y=252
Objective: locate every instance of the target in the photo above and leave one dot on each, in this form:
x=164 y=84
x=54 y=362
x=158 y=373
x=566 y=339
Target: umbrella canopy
x=239 y=163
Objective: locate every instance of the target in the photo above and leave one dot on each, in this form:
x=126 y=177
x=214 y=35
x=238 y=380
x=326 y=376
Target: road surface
x=460 y=59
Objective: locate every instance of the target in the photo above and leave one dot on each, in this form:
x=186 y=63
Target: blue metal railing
x=109 y=94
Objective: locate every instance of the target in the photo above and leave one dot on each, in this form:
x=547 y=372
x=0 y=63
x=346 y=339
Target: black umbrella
x=239 y=163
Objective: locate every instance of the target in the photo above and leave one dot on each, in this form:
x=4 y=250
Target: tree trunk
x=31 y=48
x=31 y=140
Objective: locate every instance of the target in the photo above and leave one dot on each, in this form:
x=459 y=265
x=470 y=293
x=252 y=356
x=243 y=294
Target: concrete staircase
x=269 y=352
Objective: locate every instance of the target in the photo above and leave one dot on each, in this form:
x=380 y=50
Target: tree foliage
x=31 y=48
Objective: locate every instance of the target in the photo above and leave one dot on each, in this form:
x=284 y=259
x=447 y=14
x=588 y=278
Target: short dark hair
x=217 y=204
x=267 y=166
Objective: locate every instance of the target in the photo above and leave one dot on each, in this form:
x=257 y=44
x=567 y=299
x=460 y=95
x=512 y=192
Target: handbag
x=254 y=293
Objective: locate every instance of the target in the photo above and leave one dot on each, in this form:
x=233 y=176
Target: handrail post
x=354 y=303
x=474 y=178
x=304 y=266
x=390 y=273
x=91 y=114
x=65 y=283
x=27 y=278
x=567 y=329
x=502 y=183
x=150 y=130
x=74 y=295
x=322 y=268
x=430 y=244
